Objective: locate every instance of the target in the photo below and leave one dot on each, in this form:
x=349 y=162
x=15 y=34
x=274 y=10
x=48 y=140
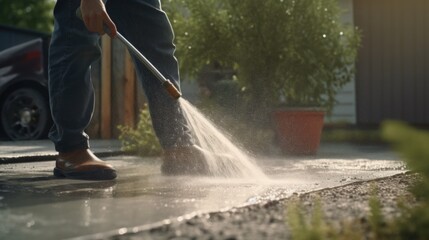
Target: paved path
x=42 y=150
x=35 y=205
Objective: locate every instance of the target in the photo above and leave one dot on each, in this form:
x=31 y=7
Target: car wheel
x=25 y=114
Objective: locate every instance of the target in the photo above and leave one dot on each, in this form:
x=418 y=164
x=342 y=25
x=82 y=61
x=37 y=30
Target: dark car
x=24 y=102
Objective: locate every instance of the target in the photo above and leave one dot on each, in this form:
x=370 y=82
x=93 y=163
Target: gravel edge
x=267 y=220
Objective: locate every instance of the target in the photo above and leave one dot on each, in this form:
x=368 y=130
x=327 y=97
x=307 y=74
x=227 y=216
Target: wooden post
x=129 y=90
x=106 y=81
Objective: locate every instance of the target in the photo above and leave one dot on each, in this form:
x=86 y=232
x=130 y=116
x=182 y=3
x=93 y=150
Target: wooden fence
x=119 y=96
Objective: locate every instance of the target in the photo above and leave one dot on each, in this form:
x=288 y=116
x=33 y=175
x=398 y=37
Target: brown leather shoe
x=185 y=161
x=83 y=164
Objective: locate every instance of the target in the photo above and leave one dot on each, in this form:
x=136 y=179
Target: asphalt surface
x=34 y=204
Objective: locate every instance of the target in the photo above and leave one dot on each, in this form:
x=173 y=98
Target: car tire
x=25 y=114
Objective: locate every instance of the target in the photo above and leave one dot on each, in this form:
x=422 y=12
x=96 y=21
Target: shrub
x=142 y=139
x=284 y=51
x=412 y=144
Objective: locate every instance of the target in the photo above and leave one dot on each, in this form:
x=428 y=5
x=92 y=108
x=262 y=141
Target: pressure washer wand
x=168 y=85
x=171 y=89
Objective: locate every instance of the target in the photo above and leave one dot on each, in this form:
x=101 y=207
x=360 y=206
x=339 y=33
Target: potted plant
x=286 y=54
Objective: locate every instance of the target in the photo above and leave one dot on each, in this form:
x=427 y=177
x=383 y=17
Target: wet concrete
x=35 y=205
x=43 y=150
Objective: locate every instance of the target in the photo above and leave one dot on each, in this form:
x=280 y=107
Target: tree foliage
x=290 y=52
x=30 y=14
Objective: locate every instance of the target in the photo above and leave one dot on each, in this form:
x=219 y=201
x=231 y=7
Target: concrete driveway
x=34 y=205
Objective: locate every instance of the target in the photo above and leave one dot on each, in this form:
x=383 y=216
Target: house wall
x=345 y=108
x=392 y=80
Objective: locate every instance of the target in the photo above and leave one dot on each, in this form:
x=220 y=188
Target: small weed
x=412 y=222
x=142 y=139
x=380 y=229
x=314 y=226
x=303 y=228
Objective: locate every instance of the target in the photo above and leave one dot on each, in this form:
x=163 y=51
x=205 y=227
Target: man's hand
x=94 y=16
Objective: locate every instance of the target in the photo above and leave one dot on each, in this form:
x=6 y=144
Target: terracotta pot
x=299 y=130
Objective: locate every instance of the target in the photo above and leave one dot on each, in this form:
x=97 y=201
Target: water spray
x=168 y=85
x=224 y=158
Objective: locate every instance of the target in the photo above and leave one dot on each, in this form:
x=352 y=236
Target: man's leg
x=147 y=27
x=72 y=51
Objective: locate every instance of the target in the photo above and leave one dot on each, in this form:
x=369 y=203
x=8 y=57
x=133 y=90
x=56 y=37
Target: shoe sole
x=101 y=174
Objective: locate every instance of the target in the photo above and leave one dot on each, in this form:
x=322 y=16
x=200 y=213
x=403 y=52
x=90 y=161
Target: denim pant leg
x=71 y=53
x=147 y=27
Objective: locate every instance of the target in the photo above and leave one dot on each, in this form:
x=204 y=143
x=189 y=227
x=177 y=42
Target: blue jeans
x=73 y=49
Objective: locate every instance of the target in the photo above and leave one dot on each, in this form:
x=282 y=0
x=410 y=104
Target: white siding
x=345 y=109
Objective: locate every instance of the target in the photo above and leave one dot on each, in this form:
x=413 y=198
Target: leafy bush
x=142 y=139
x=298 y=51
x=412 y=144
